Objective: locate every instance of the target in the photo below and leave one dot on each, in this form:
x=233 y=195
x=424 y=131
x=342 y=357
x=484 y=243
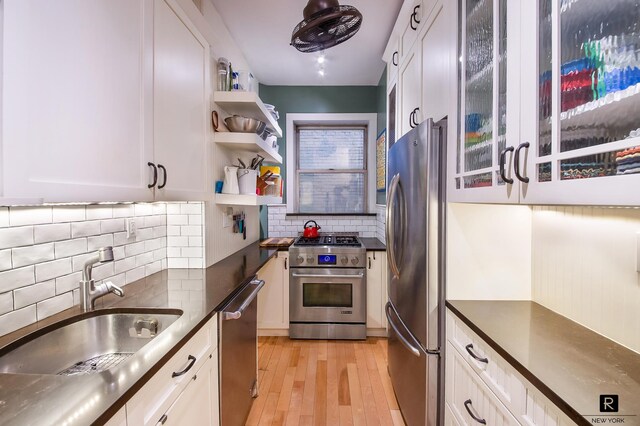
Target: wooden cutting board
x=277 y=242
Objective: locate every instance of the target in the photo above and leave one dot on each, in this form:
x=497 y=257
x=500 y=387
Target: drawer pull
x=469 y=349
x=192 y=360
x=469 y=406
x=163 y=419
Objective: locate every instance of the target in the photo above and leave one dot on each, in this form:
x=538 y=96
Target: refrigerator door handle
x=415 y=351
x=390 y=226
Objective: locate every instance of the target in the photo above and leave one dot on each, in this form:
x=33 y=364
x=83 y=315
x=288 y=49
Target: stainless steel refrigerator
x=415 y=234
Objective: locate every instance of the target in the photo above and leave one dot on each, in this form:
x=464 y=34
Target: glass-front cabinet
x=580 y=102
x=489 y=102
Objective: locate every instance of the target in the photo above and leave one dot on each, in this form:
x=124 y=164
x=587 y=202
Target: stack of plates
x=272 y=111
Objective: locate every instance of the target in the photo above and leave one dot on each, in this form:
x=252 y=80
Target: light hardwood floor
x=319 y=382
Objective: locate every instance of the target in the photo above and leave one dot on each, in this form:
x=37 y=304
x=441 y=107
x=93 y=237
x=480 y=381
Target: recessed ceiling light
x=321 y=59
x=321 y=72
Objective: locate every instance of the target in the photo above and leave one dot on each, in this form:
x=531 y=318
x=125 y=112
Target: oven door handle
x=237 y=314
x=327 y=276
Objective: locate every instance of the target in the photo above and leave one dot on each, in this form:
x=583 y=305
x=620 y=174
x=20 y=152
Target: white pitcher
x=230 y=185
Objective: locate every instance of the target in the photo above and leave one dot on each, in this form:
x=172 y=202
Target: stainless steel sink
x=86 y=344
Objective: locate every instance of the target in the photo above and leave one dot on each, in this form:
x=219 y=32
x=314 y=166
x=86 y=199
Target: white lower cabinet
x=273 y=299
x=481 y=384
x=185 y=390
x=119 y=419
x=469 y=398
x=376 y=291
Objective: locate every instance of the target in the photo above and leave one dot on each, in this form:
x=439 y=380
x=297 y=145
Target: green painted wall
x=320 y=99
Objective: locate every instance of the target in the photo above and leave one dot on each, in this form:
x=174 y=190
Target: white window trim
x=369 y=120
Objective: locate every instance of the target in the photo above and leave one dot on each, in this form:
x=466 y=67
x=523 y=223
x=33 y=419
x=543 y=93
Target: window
x=331 y=173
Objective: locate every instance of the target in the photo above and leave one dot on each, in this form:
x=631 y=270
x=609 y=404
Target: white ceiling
x=262 y=30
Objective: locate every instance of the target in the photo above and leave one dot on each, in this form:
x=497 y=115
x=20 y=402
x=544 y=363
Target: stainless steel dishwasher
x=238 y=325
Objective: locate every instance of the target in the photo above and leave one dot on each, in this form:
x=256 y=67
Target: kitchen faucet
x=89 y=292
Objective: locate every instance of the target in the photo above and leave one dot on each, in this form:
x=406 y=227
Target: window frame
x=369 y=119
x=364 y=171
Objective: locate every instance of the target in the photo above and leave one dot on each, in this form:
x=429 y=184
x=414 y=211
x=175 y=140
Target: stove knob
x=300 y=259
x=310 y=259
x=355 y=260
x=344 y=260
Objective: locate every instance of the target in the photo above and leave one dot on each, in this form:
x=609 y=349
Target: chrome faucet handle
x=112 y=288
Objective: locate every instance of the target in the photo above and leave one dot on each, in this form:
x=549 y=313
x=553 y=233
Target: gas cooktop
x=329 y=240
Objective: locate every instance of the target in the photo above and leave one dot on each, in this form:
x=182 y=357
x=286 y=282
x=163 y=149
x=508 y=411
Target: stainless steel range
x=327 y=288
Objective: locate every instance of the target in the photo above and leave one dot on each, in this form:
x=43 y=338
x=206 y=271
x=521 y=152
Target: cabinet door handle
x=411 y=119
x=164 y=179
x=414 y=114
x=475 y=356
x=285 y=263
x=469 y=406
x=516 y=162
x=192 y=360
x=163 y=419
x=414 y=18
x=394 y=58
x=503 y=161
x=369 y=262
x=155 y=175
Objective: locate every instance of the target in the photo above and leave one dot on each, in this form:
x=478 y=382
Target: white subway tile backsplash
x=143 y=209
x=135 y=274
x=43 y=250
x=52 y=232
x=125 y=265
x=144 y=258
x=85 y=229
x=69 y=213
x=29 y=295
x=16 y=278
x=68 y=282
x=6 y=302
x=177 y=262
x=70 y=248
x=4 y=217
x=99 y=212
x=16 y=237
x=192 y=231
x=174 y=230
x=134 y=249
x=112 y=225
x=17 y=319
x=179 y=219
x=31 y=255
x=144 y=234
x=5 y=260
x=94 y=243
x=50 y=270
x=123 y=210
x=20 y=216
x=52 y=306
x=191 y=208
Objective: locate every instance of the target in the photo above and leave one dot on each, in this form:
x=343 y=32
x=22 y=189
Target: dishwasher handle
x=237 y=314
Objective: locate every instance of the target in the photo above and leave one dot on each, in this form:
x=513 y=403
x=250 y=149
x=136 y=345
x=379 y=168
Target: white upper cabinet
x=75 y=79
x=480 y=164
x=410 y=93
x=181 y=104
x=438 y=46
x=581 y=102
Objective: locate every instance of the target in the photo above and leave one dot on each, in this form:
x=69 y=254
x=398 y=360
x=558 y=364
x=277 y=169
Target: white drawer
x=469 y=398
x=539 y=411
x=157 y=395
x=497 y=373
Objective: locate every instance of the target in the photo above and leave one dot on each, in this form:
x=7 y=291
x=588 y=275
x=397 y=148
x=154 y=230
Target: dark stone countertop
x=373 y=244
x=570 y=364
x=199 y=293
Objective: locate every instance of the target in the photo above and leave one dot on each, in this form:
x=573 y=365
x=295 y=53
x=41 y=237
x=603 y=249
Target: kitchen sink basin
x=86 y=344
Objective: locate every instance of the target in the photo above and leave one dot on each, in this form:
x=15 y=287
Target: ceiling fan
x=326 y=24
